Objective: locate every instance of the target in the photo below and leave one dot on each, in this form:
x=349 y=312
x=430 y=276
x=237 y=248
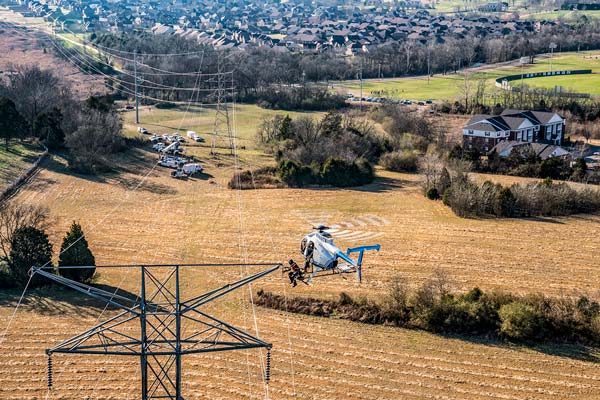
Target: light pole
x=522 y=61
x=552 y=47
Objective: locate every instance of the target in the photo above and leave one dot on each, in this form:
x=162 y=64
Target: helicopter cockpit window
x=326 y=237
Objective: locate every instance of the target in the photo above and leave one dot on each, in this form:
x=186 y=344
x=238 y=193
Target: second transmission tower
x=224 y=94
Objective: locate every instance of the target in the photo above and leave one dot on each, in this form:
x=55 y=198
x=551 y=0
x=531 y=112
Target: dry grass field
x=200 y=220
x=24 y=41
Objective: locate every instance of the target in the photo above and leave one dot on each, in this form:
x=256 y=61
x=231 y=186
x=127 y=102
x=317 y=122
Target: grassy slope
x=449 y=86
x=15 y=161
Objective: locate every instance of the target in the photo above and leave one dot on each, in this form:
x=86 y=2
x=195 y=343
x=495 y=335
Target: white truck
x=191 y=168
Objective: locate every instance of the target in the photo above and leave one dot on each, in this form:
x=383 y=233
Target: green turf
x=449 y=87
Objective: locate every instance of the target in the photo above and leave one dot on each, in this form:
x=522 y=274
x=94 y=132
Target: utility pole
x=158 y=327
x=361 y=83
x=135 y=77
x=552 y=47
x=428 y=62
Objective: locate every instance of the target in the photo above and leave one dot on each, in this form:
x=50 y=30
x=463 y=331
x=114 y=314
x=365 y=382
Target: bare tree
x=466 y=88
x=35 y=90
x=98 y=136
x=431 y=166
x=14 y=216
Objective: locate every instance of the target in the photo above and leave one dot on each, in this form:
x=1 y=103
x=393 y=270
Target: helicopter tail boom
x=358 y=263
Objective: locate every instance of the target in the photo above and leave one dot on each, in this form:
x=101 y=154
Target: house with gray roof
x=485 y=132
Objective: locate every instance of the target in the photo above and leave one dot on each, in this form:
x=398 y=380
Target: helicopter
x=321 y=254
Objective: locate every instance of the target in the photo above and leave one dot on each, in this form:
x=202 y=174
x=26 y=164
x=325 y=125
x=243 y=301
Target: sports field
x=449 y=87
x=200 y=220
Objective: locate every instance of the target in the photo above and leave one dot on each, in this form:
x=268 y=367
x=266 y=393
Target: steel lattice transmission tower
x=224 y=93
x=159 y=327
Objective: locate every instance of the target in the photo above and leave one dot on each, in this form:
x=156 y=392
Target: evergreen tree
x=12 y=124
x=75 y=252
x=29 y=248
x=285 y=130
x=579 y=169
x=47 y=127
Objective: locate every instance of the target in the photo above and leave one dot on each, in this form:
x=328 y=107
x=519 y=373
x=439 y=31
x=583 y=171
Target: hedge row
x=531 y=318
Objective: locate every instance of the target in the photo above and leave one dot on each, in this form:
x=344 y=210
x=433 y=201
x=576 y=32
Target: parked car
x=142 y=130
x=199 y=139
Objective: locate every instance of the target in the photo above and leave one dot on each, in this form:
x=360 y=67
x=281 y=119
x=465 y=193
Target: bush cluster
x=399 y=161
x=544 y=198
x=261 y=178
x=334 y=172
x=531 y=318
x=525 y=162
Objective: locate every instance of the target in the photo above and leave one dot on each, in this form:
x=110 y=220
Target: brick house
x=486 y=131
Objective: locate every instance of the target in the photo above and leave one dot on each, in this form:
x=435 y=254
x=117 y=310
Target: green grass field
x=448 y=87
x=245 y=122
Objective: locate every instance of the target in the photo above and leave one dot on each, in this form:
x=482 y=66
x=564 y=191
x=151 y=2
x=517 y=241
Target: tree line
x=261 y=68
x=36 y=104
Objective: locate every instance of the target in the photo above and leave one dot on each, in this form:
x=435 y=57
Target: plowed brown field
x=200 y=220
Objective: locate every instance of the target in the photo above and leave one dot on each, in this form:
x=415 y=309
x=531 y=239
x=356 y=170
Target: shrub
x=504 y=203
x=76 y=252
x=261 y=178
x=295 y=174
x=29 y=248
x=520 y=321
x=6 y=281
x=399 y=161
x=341 y=173
x=432 y=194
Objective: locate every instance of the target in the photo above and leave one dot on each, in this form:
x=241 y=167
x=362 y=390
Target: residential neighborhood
x=348 y=27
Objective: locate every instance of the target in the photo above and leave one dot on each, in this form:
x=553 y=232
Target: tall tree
x=76 y=252
x=47 y=127
x=12 y=124
x=35 y=90
x=30 y=247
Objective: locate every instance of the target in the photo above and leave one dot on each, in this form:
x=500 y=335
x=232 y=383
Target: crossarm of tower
x=207 y=297
x=108 y=337
x=123 y=302
x=216 y=335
